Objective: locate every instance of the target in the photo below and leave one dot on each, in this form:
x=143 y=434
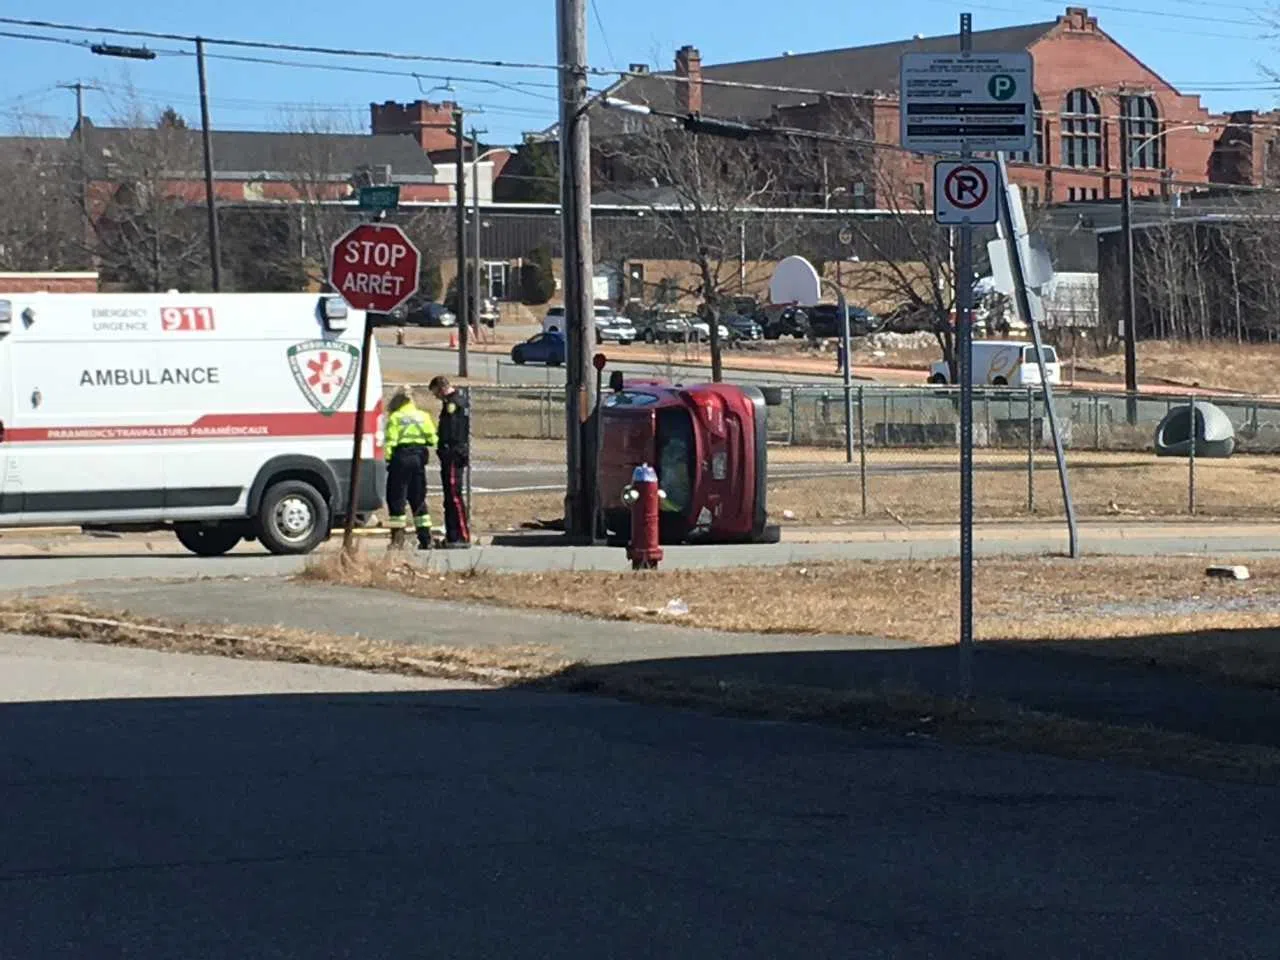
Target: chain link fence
x=906 y=454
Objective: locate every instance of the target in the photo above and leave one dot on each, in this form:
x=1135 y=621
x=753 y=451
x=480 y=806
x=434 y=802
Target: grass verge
x=1160 y=611
x=64 y=617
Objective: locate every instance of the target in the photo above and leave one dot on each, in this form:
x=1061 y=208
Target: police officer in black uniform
x=454 y=433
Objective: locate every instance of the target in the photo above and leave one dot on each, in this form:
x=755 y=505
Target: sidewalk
x=1076 y=686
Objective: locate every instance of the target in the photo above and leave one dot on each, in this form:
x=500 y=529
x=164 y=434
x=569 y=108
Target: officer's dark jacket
x=454 y=429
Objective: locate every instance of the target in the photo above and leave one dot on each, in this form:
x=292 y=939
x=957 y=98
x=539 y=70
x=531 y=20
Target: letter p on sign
x=966 y=192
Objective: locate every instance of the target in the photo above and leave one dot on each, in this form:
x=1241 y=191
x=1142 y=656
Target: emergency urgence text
x=166 y=376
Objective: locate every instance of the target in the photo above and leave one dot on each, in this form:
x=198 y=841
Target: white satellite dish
x=795 y=281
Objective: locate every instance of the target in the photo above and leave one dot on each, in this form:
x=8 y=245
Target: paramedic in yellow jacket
x=410 y=432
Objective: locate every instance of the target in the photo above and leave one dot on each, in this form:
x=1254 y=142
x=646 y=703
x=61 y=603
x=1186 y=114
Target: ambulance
x=224 y=417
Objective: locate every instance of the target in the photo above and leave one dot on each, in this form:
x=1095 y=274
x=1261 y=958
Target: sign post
x=956 y=103
x=374 y=267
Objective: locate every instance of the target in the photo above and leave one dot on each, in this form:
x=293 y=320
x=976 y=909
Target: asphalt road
x=421 y=363
x=474 y=823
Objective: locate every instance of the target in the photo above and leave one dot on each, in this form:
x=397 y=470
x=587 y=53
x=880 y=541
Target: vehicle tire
x=293 y=518
x=517 y=359
x=208 y=539
x=938 y=380
x=772 y=533
x=624 y=343
x=555 y=363
x=772 y=396
x=999 y=382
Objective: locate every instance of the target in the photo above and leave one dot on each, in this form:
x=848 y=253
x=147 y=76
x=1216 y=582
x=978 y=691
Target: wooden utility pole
x=210 y=195
x=579 y=302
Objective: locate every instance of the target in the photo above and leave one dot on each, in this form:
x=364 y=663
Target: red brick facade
x=431 y=124
x=48 y=283
x=1084 y=81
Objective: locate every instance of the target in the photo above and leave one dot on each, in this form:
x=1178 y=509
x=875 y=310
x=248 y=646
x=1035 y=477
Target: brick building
x=1087 y=86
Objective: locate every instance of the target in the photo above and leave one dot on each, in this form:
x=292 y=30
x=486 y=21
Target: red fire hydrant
x=644 y=497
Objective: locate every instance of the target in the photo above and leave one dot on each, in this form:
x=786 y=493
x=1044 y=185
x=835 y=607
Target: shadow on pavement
x=514 y=824
x=1068 y=684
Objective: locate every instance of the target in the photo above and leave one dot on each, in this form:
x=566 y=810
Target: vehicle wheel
x=555 y=363
x=999 y=382
x=772 y=396
x=518 y=359
x=208 y=539
x=938 y=380
x=772 y=533
x=293 y=518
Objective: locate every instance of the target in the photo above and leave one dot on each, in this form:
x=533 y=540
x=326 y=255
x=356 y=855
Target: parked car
x=554 y=319
x=617 y=329
x=909 y=318
x=429 y=315
x=824 y=321
x=545 y=348
x=783 y=320
x=741 y=328
x=664 y=326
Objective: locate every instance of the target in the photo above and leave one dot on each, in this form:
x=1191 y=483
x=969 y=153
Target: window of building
x=1036 y=156
x=1142 y=117
x=1081 y=130
x=1071 y=194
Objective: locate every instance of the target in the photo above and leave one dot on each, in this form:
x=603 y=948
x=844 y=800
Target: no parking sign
x=966 y=192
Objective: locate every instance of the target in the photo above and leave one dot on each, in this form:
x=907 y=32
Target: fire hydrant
x=643 y=497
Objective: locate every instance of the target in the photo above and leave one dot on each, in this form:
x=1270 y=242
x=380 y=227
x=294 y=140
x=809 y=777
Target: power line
x=284 y=47
x=604 y=34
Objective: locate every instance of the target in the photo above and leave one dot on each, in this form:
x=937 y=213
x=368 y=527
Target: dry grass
x=1120 y=608
x=1103 y=485
x=64 y=617
x=1244 y=368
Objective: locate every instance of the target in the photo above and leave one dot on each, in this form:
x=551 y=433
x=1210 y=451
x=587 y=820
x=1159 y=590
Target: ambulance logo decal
x=325 y=372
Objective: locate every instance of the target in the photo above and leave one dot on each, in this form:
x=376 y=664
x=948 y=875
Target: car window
x=1029 y=355
x=629 y=398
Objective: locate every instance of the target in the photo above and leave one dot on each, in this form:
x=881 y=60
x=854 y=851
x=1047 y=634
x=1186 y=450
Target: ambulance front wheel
x=293 y=518
x=208 y=539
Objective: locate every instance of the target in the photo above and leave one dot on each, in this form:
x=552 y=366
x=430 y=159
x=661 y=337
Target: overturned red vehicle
x=708 y=443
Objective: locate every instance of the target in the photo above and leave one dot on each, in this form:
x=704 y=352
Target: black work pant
x=407 y=487
x=456 y=528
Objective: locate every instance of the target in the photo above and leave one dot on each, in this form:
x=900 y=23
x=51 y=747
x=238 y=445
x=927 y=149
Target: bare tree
x=149 y=233
x=701 y=194
x=41 y=227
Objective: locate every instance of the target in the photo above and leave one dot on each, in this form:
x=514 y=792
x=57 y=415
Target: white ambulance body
x=223 y=416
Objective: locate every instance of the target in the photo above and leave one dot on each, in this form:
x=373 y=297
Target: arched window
x=1037 y=156
x=1146 y=146
x=1081 y=131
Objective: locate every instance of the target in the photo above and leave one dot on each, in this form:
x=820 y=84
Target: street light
x=1128 y=153
x=142 y=53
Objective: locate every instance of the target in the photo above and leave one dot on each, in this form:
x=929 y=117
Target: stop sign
x=374 y=267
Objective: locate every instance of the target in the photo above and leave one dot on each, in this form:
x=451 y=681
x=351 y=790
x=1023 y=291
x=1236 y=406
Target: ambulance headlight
x=334 y=313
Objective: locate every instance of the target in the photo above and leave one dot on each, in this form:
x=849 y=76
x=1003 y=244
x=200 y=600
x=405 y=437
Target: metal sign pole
x=357 y=438
x=964 y=348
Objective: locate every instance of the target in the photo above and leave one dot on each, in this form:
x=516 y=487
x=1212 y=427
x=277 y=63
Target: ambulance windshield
x=676 y=458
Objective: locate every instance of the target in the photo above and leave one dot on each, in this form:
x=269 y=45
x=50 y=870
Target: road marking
x=528 y=489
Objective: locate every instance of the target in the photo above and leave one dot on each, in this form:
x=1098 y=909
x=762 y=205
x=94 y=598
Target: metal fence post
x=1191 y=461
x=862 y=450
x=1031 y=452
x=791 y=426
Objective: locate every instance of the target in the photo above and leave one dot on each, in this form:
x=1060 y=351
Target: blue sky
x=1206 y=47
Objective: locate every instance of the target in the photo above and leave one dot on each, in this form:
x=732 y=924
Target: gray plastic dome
x=1215 y=436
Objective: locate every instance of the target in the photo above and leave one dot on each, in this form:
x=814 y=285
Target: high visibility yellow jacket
x=409 y=427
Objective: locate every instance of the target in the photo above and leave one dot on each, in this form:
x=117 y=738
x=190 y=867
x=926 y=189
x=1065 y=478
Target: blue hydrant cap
x=644 y=474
